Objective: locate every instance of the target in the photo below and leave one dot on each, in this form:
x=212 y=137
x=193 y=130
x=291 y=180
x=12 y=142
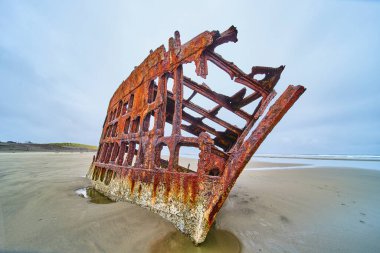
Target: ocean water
x=311 y=161
x=371 y=162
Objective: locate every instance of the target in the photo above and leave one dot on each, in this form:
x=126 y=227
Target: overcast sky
x=61 y=61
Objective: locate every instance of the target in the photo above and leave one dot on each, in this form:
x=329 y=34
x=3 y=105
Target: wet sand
x=293 y=210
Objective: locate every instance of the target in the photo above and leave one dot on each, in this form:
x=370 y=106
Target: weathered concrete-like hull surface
x=129 y=165
x=182 y=206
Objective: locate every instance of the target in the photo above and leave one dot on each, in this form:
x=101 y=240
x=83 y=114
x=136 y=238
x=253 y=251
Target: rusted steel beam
x=178 y=93
x=230 y=35
x=130 y=164
x=249 y=99
x=272 y=75
x=202 y=89
x=207 y=114
x=235 y=73
x=242 y=156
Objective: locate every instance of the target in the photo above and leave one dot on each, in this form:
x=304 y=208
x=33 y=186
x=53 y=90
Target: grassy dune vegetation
x=11 y=146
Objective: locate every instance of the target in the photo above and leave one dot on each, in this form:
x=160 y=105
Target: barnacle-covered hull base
x=130 y=165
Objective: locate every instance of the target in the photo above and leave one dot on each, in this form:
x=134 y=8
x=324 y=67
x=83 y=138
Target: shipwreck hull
x=174 y=196
x=129 y=165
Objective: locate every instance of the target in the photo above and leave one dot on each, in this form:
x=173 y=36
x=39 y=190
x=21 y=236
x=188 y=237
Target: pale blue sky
x=61 y=61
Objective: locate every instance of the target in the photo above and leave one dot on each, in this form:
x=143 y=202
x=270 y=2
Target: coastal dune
x=319 y=209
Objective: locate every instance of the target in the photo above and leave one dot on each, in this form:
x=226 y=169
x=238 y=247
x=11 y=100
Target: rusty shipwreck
x=130 y=165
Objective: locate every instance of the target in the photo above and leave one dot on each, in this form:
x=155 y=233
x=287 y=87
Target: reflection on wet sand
x=218 y=240
x=93 y=195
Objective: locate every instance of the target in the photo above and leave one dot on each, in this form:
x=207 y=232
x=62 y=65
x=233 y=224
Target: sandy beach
x=319 y=209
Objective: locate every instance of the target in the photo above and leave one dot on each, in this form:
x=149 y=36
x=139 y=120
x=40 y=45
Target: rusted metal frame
x=188 y=129
x=133 y=135
x=114 y=152
x=218 y=39
x=219 y=152
x=104 y=152
x=158 y=161
x=159 y=122
x=161 y=99
x=273 y=116
x=189 y=142
x=167 y=139
x=109 y=151
x=146 y=169
x=98 y=152
x=118 y=169
x=121 y=117
x=145 y=153
x=209 y=114
x=119 y=151
x=272 y=75
x=173 y=141
x=104 y=130
x=178 y=93
x=194 y=122
x=146 y=137
x=206 y=114
x=197 y=122
x=191 y=96
x=249 y=99
x=102 y=147
x=239 y=159
x=210 y=93
x=179 y=169
x=263 y=104
x=201 y=127
x=215 y=110
x=235 y=73
x=140 y=132
x=140 y=155
x=177 y=116
x=230 y=35
x=130 y=153
x=214 y=97
x=112 y=122
x=180 y=141
x=237 y=97
x=122 y=149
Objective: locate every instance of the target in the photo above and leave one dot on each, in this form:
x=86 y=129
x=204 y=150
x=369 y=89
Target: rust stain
x=177 y=184
x=194 y=190
x=156 y=181
x=167 y=182
x=139 y=190
x=185 y=189
x=142 y=107
x=132 y=179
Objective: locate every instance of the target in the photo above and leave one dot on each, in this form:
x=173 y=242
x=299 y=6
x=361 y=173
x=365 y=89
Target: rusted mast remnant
x=129 y=164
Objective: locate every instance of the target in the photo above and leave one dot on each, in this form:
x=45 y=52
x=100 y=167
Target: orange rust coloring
x=148 y=123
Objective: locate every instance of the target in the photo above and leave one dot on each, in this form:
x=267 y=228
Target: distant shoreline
x=366 y=158
x=14 y=147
